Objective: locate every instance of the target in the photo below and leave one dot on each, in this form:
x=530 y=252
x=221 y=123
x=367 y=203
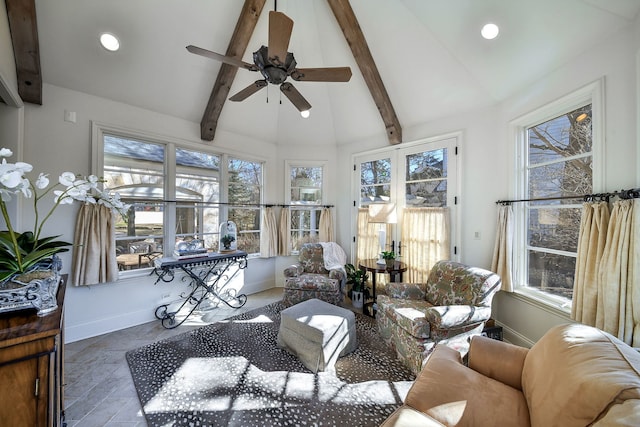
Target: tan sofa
x=575 y=375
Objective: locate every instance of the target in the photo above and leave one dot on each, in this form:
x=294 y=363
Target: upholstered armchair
x=311 y=279
x=450 y=308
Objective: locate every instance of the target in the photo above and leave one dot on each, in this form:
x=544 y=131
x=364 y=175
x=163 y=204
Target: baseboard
x=514 y=337
x=104 y=326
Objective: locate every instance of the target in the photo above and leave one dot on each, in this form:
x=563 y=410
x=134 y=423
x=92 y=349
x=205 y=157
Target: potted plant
x=389 y=258
x=226 y=240
x=358 y=280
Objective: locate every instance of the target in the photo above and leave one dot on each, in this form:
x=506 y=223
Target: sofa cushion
x=455 y=395
x=575 y=373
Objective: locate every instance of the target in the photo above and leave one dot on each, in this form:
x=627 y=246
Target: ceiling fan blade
x=218 y=57
x=249 y=90
x=335 y=74
x=280 y=27
x=295 y=97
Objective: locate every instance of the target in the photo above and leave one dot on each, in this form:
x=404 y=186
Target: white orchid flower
x=43 y=181
x=62 y=198
x=25 y=187
x=11 y=178
x=5 y=152
x=24 y=167
x=67 y=179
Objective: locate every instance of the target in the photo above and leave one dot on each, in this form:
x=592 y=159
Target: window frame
x=99 y=130
x=591 y=93
x=288 y=165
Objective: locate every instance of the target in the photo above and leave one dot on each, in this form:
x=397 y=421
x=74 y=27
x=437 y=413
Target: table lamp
x=382 y=213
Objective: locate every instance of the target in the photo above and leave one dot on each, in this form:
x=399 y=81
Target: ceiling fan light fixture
x=305 y=114
x=490 y=31
x=109 y=42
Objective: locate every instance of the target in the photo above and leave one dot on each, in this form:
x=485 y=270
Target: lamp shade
x=384 y=213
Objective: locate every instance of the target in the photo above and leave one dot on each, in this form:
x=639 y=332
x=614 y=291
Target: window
x=176 y=194
x=557 y=166
x=245 y=196
x=421 y=180
x=304 y=188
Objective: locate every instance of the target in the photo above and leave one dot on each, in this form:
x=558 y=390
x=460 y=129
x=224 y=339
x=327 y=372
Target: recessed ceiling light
x=490 y=31
x=305 y=114
x=109 y=42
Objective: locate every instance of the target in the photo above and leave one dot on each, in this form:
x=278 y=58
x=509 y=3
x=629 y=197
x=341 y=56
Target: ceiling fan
x=276 y=65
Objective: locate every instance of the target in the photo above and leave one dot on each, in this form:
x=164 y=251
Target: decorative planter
x=389 y=263
x=36 y=288
x=357 y=299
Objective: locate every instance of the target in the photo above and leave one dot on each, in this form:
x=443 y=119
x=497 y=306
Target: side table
x=395 y=274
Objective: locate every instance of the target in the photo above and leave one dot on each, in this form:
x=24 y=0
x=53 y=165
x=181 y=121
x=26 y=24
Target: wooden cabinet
x=31 y=366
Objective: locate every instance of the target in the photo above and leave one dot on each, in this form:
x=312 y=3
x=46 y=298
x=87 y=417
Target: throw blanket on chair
x=334 y=258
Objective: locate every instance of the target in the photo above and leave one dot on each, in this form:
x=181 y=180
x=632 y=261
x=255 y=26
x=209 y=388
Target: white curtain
x=269 y=234
x=94 y=246
x=591 y=243
x=284 y=241
x=425 y=238
x=367 y=242
x=616 y=287
x=502 y=263
x=326 y=226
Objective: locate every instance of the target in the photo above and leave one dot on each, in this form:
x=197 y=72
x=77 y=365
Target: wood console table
x=208 y=275
x=395 y=274
x=31 y=366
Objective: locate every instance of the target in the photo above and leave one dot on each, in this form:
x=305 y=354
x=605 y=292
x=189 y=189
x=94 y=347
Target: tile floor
x=99 y=390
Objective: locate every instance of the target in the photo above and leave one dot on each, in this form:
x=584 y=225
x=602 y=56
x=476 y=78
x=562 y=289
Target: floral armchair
x=450 y=308
x=310 y=279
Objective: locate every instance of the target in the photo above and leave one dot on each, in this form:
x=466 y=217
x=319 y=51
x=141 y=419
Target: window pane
x=554 y=228
x=570 y=178
x=565 y=136
x=197 y=186
x=375 y=179
x=552 y=273
x=427 y=193
x=135 y=169
x=306 y=185
x=426 y=165
x=245 y=182
x=374 y=193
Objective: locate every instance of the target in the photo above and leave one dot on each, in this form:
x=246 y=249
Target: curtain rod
x=623 y=194
x=266 y=205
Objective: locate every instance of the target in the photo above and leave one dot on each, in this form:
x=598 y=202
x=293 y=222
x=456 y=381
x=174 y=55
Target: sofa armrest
x=413 y=291
x=453 y=316
x=293 y=271
x=498 y=360
x=337 y=273
x=406 y=416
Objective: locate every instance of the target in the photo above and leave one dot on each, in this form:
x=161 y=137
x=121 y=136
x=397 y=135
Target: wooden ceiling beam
x=23 y=26
x=353 y=34
x=237 y=46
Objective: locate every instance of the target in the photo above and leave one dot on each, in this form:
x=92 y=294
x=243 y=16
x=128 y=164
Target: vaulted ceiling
x=429 y=56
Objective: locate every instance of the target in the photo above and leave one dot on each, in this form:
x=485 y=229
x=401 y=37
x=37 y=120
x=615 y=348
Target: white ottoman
x=318 y=333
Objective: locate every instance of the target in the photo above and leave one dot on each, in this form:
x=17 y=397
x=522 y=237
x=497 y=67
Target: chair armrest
x=498 y=360
x=337 y=273
x=412 y=291
x=293 y=271
x=453 y=316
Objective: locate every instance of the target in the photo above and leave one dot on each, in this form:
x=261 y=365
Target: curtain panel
x=325 y=233
x=591 y=242
x=502 y=263
x=284 y=241
x=425 y=238
x=94 y=246
x=269 y=234
x=606 y=288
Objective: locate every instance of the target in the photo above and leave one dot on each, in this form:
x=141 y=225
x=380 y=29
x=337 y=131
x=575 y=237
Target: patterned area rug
x=231 y=373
